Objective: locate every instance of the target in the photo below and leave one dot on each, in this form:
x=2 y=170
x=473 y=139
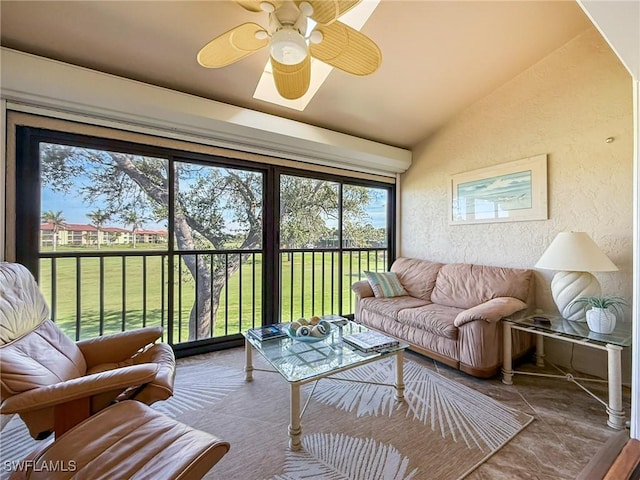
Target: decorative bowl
x=311 y=336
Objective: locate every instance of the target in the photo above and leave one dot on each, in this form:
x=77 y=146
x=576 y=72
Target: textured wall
x=565 y=106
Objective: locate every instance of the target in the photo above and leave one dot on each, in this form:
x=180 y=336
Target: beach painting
x=515 y=191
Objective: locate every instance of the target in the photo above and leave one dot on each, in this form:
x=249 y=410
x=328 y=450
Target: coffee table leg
x=295 y=430
x=248 y=361
x=399 y=376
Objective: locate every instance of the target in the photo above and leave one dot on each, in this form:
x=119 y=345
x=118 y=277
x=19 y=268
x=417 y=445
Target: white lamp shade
x=575 y=252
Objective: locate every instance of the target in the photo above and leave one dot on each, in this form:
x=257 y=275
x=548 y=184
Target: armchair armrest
x=77 y=388
x=490 y=311
x=362 y=289
x=117 y=347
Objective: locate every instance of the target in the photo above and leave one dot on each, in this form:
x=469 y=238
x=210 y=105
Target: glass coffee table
x=577 y=333
x=300 y=363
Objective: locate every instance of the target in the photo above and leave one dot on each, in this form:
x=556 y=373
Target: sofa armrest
x=117 y=347
x=77 y=388
x=362 y=289
x=490 y=311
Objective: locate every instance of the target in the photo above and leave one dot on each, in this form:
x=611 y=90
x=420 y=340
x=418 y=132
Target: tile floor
x=569 y=426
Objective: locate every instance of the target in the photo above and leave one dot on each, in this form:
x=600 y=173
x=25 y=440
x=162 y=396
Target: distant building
x=82 y=235
x=115 y=236
x=151 y=236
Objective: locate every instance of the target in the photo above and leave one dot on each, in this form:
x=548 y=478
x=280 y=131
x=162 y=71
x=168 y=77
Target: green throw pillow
x=385 y=284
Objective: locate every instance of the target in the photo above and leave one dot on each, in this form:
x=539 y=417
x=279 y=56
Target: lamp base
x=569 y=286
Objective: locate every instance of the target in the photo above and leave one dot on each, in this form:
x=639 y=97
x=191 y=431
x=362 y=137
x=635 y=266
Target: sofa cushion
x=418 y=277
x=389 y=307
x=435 y=319
x=464 y=285
x=440 y=348
x=385 y=284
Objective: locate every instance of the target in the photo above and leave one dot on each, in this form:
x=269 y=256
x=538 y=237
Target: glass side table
x=578 y=333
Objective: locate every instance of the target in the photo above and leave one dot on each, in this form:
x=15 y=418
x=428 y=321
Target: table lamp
x=574 y=255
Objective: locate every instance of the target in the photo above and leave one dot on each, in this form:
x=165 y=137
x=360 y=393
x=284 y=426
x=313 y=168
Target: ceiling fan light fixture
x=288 y=46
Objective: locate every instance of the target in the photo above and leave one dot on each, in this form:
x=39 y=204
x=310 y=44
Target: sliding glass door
x=218 y=234
x=123 y=235
x=331 y=231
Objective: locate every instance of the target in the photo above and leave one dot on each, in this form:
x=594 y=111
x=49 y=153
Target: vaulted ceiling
x=439 y=57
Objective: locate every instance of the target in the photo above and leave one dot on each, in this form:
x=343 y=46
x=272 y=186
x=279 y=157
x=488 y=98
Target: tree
x=57 y=222
x=309 y=213
x=136 y=221
x=308 y=207
x=212 y=207
x=358 y=230
x=114 y=237
x=99 y=218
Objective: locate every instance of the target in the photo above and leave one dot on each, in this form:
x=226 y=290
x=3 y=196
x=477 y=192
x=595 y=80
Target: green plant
x=612 y=302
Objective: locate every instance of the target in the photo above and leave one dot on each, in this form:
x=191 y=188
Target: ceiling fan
x=291 y=46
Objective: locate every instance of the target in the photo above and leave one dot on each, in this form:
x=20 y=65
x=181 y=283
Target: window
x=330 y=232
x=125 y=235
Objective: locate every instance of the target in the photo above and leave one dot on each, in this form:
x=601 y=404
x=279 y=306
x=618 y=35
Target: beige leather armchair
x=54 y=383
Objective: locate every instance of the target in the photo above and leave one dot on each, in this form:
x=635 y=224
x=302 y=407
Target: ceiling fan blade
x=292 y=81
x=232 y=46
x=255 y=5
x=324 y=11
x=345 y=5
x=328 y=11
x=347 y=49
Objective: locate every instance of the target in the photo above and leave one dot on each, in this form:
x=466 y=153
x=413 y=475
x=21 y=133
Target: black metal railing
x=100 y=292
x=223 y=298
x=318 y=282
x=94 y=293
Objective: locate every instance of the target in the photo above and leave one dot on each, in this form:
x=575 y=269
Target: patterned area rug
x=351 y=430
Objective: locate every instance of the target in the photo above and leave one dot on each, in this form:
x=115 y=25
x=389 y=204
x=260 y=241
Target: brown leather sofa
x=451 y=312
x=54 y=383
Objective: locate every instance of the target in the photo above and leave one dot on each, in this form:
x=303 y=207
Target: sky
x=75 y=210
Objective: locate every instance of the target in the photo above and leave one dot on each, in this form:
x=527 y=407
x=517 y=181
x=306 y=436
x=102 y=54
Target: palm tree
x=57 y=222
x=132 y=218
x=99 y=217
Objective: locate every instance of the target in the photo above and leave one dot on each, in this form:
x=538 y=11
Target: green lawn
x=304 y=292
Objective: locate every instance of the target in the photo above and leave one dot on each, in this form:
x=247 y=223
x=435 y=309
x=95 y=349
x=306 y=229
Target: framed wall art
x=509 y=192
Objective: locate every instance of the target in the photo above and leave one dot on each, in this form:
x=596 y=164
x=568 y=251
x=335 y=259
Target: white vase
x=601 y=320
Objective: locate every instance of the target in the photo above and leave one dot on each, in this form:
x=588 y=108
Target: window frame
x=27 y=213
